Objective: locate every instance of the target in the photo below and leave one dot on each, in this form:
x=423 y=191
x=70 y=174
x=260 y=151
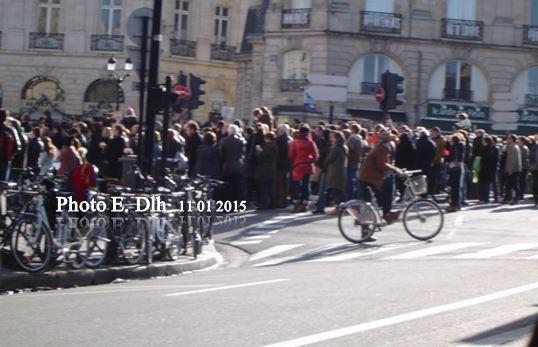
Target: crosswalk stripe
x=273 y=251
x=276 y=261
x=250 y=242
x=434 y=250
x=533 y=257
x=288 y=258
x=256 y=237
x=501 y=250
x=362 y=252
x=262 y=232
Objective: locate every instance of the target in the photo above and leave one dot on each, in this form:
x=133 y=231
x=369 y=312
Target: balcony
x=368 y=88
x=47 y=41
x=222 y=52
x=293 y=85
x=182 y=48
x=461 y=29
x=107 y=43
x=458 y=94
x=295 y=19
x=530 y=35
x=381 y=22
x=531 y=100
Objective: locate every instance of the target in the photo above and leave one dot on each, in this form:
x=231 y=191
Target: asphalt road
x=292 y=280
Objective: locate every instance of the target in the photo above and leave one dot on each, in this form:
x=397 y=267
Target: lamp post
x=111 y=67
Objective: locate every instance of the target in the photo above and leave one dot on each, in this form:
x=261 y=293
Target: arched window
x=103 y=91
x=296 y=65
x=40 y=86
x=458 y=80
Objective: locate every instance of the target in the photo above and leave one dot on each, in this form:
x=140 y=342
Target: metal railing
x=292 y=85
x=369 y=88
x=47 y=41
x=182 y=48
x=531 y=99
x=222 y=52
x=381 y=22
x=462 y=29
x=458 y=94
x=107 y=43
x=530 y=34
x=296 y=18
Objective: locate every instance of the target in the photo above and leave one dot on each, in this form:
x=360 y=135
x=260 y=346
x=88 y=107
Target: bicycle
x=422 y=219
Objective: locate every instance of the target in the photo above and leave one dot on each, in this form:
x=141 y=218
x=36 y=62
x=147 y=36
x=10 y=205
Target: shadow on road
x=503 y=334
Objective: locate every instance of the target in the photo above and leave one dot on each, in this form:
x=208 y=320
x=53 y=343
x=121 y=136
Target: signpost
x=325 y=88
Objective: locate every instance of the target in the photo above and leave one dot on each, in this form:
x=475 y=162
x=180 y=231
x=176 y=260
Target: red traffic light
x=379 y=94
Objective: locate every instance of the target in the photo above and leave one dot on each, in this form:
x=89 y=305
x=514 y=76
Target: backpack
x=7 y=144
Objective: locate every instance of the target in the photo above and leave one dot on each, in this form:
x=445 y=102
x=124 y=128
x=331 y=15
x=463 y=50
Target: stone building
x=477 y=56
x=60 y=49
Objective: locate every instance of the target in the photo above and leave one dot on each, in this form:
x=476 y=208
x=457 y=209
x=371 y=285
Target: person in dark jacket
x=266 y=159
x=321 y=140
x=207 y=163
x=232 y=149
x=35 y=147
x=354 y=157
x=283 y=166
x=405 y=158
x=488 y=168
x=456 y=171
x=113 y=151
x=192 y=142
x=425 y=154
x=335 y=166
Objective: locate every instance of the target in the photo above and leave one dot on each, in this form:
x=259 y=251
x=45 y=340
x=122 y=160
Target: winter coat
x=354 y=145
x=207 y=163
x=35 y=147
x=488 y=164
x=405 y=156
x=440 y=146
x=533 y=158
x=335 y=164
x=303 y=154
x=425 y=153
x=266 y=160
x=283 y=143
x=374 y=169
x=191 y=146
x=231 y=150
x=524 y=150
x=513 y=160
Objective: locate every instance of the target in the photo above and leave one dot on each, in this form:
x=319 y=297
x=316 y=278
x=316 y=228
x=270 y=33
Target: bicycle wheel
x=170 y=240
x=132 y=240
x=356 y=221
x=423 y=219
x=31 y=244
x=97 y=239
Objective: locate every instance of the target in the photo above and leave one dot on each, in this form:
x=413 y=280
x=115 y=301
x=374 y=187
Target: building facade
x=476 y=56
x=54 y=53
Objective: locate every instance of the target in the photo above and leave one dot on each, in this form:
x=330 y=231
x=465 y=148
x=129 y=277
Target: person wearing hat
x=373 y=173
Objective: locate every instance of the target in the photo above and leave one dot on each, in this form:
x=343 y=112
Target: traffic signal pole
x=153 y=88
x=166 y=120
x=142 y=91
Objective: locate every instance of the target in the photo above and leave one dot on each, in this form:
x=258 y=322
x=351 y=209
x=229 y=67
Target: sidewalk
x=64 y=278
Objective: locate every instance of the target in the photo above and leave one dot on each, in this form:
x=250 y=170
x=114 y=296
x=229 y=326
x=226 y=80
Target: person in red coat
x=303 y=153
x=82 y=179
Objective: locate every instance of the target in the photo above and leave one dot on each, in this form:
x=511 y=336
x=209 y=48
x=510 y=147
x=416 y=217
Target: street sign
x=379 y=94
x=182 y=92
x=323 y=93
x=327 y=80
x=134 y=24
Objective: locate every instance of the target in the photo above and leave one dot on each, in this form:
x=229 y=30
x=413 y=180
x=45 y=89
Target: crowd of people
x=273 y=164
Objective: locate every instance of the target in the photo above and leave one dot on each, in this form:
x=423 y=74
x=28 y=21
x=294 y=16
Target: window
x=374 y=66
x=103 y=92
x=40 y=86
x=534 y=12
x=296 y=65
x=299 y=4
x=221 y=25
x=181 y=19
x=532 y=87
x=110 y=17
x=380 y=6
x=49 y=16
x=458 y=75
x=461 y=9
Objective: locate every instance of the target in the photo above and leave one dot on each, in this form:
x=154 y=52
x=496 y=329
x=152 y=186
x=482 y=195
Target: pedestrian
x=456 y=171
x=232 y=149
x=8 y=145
x=35 y=147
x=404 y=158
x=438 y=169
x=522 y=178
x=425 y=154
x=533 y=168
x=512 y=170
x=355 y=151
x=488 y=169
x=113 y=151
x=69 y=158
x=48 y=156
x=192 y=141
x=207 y=155
x=303 y=154
x=283 y=166
x=266 y=159
x=335 y=166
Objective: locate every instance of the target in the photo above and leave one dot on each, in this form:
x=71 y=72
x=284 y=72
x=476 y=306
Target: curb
x=85 y=277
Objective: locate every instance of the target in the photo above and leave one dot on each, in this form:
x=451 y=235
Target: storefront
x=443 y=115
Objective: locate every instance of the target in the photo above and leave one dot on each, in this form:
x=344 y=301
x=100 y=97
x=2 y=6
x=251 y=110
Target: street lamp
x=111 y=67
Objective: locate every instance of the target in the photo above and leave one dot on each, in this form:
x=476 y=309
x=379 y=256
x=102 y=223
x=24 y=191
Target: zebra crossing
x=264 y=230
x=340 y=252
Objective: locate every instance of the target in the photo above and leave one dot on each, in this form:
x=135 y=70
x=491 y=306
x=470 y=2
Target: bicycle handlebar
x=403 y=171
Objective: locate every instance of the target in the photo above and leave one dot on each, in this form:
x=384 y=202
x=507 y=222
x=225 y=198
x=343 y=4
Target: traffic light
x=195 y=83
x=393 y=85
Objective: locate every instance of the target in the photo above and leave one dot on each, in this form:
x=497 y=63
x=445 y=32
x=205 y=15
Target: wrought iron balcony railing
x=368 y=88
x=182 y=48
x=462 y=29
x=381 y=22
x=47 y=41
x=531 y=100
x=292 y=85
x=222 y=52
x=458 y=94
x=107 y=43
x=530 y=35
x=296 y=18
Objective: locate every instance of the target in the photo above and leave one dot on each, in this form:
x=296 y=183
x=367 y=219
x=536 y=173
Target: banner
x=441 y=110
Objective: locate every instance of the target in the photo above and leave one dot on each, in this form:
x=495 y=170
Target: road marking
x=261 y=232
x=533 y=257
x=458 y=222
x=278 y=261
x=241 y=243
x=256 y=237
x=434 y=250
x=272 y=251
x=502 y=250
x=362 y=252
x=228 y=287
x=355 y=329
x=270 y=226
